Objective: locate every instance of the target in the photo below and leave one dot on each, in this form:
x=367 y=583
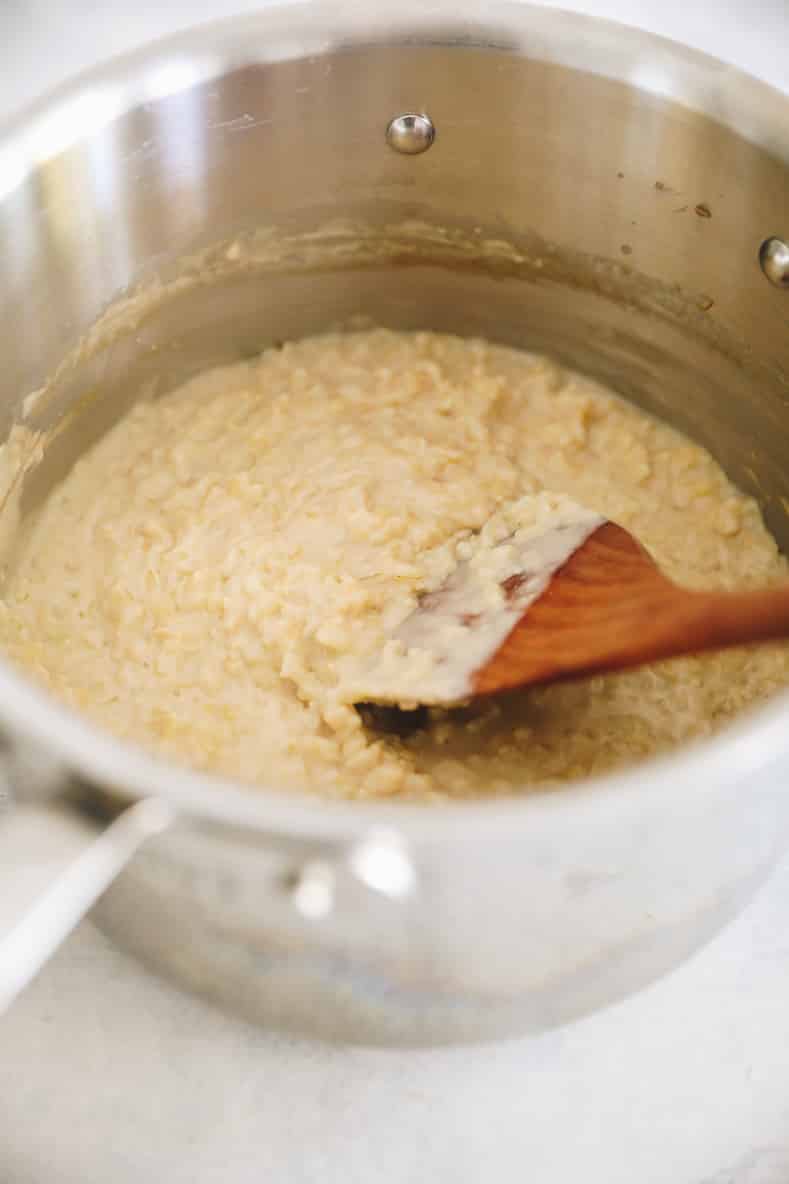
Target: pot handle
x=35 y=936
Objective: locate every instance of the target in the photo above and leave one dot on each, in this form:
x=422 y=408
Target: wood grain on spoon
x=609 y=607
x=582 y=597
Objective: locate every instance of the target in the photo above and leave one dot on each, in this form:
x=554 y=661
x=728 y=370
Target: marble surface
x=109 y=1075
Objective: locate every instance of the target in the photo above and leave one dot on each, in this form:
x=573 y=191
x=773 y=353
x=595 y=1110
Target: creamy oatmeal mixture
x=208 y=577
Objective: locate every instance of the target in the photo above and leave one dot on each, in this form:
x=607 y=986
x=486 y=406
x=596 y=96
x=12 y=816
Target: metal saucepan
x=581 y=189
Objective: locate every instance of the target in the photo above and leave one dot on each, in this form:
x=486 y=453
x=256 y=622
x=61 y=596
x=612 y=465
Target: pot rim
x=288 y=30
x=746 y=749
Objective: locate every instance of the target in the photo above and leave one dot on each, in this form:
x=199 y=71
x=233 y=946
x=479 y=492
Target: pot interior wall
x=557 y=210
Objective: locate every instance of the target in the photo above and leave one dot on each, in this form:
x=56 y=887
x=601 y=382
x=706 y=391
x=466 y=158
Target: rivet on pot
x=774 y=261
x=311 y=888
x=410 y=133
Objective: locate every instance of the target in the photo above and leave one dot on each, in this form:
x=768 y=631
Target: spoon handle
x=736 y=618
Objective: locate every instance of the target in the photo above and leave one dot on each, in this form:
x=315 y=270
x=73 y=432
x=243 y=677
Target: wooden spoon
x=607 y=607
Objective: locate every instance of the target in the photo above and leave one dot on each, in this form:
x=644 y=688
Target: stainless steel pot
x=582 y=189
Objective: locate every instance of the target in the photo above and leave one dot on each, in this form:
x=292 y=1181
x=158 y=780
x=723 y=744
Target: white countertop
x=109 y=1076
